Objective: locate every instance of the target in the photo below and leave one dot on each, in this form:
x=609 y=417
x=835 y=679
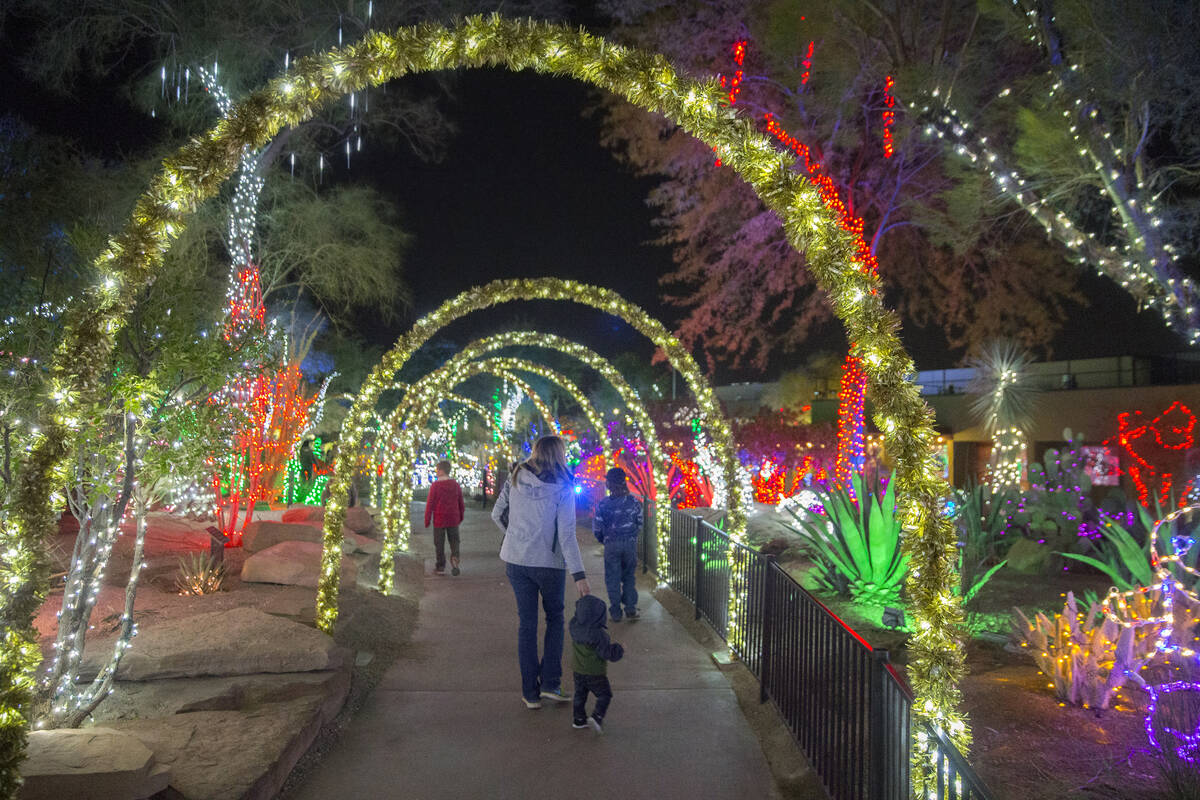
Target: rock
x=162 y=698
x=305 y=515
x=358 y=519
x=1029 y=557
x=239 y=641
x=260 y=535
x=775 y=547
x=168 y=533
x=356 y=543
x=89 y=764
x=293 y=563
x=218 y=755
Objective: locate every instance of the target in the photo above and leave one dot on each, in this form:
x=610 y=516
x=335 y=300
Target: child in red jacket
x=445 y=506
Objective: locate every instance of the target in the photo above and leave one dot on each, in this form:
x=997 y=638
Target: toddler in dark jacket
x=592 y=648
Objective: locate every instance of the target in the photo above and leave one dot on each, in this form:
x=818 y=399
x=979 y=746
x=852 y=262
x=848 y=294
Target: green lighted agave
x=857 y=545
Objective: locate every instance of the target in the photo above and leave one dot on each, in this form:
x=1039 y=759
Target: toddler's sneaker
x=557 y=695
x=597 y=724
x=531 y=704
x=578 y=725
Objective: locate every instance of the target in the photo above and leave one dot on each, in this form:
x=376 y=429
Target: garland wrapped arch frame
x=198 y=170
x=426 y=392
x=396 y=525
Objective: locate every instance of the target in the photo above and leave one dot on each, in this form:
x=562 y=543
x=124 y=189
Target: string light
x=1178 y=424
x=851 y=456
x=1150 y=274
x=197 y=170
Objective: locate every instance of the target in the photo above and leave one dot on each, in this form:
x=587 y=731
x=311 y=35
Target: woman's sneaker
x=531 y=704
x=577 y=725
x=597 y=724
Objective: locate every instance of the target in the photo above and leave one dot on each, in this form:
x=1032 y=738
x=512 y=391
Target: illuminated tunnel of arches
x=198 y=170
x=398 y=469
x=425 y=393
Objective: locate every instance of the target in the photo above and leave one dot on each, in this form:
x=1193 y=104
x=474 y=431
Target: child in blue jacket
x=616 y=525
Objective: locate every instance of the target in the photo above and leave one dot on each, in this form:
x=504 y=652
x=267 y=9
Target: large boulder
x=358 y=519
x=221 y=755
x=305 y=515
x=239 y=641
x=292 y=563
x=260 y=534
x=89 y=764
x=162 y=698
x=357 y=543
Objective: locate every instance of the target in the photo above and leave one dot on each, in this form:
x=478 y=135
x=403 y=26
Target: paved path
x=447 y=721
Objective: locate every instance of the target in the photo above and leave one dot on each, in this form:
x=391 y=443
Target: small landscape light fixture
x=893 y=617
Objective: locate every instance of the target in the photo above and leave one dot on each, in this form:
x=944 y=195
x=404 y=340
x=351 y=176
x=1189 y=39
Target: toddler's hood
x=590 y=615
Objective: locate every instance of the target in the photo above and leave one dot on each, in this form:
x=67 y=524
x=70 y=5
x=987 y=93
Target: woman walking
x=536 y=511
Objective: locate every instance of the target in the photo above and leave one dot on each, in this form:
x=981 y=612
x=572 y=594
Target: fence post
x=880 y=738
x=768 y=626
x=698 y=564
x=647 y=536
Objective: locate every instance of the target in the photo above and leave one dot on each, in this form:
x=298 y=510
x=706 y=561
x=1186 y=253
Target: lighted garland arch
x=399 y=460
x=400 y=457
x=455 y=370
x=375 y=450
x=198 y=170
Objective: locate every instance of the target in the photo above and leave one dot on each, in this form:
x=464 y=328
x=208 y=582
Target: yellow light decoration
x=452 y=372
x=199 y=169
x=399 y=457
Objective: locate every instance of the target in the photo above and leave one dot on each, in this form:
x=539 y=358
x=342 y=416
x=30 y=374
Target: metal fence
x=846 y=706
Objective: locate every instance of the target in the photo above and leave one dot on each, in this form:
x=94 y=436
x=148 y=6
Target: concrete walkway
x=447 y=721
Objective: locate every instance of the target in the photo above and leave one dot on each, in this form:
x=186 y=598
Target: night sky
x=527 y=190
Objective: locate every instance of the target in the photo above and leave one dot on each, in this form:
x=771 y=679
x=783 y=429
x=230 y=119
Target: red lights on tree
x=851 y=400
x=889 y=117
x=276 y=415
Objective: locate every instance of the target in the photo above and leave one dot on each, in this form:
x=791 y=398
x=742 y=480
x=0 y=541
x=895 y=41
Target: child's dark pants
x=440 y=535
x=597 y=685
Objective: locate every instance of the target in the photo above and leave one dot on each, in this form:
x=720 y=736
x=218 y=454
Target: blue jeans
x=620 y=577
x=527 y=584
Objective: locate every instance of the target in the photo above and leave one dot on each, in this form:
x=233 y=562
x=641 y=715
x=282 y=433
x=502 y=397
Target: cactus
x=1088 y=656
x=1058 y=507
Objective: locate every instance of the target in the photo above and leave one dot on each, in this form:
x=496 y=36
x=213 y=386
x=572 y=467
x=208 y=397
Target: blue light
x=578 y=488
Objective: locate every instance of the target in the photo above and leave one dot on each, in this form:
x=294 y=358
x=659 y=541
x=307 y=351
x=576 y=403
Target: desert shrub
x=1125 y=555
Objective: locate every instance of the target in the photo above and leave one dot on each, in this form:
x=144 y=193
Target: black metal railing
x=844 y=703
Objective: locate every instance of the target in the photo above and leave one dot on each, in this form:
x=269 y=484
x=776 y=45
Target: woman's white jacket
x=533 y=539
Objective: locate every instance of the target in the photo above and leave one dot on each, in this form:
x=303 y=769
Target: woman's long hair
x=549 y=456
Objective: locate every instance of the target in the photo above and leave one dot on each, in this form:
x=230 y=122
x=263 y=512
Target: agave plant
x=856 y=544
x=199 y=574
x=980 y=519
x=1126 y=560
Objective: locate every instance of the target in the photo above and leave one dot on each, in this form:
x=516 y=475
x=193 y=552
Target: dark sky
x=527 y=190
